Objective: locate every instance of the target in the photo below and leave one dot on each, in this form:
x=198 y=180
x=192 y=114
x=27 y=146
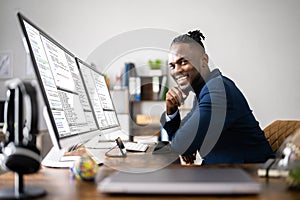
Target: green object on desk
x=295 y=174
x=294 y=178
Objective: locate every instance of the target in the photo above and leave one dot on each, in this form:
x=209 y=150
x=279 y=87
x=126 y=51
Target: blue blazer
x=220 y=125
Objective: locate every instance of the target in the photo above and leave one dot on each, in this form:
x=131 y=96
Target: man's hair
x=190 y=37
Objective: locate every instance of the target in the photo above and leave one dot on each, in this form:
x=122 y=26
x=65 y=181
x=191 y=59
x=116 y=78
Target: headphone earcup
x=9 y=116
x=23 y=160
x=20 y=152
x=31 y=115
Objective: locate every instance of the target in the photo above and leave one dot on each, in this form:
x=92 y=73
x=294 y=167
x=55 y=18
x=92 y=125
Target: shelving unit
x=141 y=117
x=146 y=104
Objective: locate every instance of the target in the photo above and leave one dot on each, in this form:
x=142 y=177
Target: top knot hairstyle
x=190 y=37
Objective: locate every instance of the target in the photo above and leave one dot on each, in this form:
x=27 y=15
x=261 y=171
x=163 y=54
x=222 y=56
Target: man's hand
x=174 y=98
x=189 y=159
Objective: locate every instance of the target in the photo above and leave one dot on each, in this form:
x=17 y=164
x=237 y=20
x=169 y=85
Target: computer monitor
x=69 y=113
x=101 y=102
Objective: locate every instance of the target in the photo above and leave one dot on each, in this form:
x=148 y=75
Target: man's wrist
x=172 y=116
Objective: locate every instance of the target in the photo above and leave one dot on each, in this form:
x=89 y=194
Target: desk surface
x=60 y=184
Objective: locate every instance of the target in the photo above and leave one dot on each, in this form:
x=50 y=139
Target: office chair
x=279 y=130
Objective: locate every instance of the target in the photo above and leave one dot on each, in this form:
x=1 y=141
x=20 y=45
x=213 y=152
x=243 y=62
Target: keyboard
x=139 y=147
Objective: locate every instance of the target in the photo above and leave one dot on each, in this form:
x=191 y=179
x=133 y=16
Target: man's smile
x=182 y=79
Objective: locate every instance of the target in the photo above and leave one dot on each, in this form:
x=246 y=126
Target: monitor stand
x=19 y=191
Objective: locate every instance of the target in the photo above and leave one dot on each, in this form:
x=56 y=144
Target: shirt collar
x=213 y=74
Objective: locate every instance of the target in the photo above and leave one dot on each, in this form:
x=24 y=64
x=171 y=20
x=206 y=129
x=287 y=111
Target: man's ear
x=205 y=59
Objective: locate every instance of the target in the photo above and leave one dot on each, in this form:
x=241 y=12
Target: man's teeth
x=181 y=78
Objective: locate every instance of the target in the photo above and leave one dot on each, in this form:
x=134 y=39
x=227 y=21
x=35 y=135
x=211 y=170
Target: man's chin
x=185 y=89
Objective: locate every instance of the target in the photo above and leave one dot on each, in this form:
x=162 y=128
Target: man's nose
x=178 y=68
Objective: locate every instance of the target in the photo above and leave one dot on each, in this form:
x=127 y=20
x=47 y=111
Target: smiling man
x=221 y=125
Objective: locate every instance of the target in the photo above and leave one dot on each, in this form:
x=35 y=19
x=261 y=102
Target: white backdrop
x=256 y=43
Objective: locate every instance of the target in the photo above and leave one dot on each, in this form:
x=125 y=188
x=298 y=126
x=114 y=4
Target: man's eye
x=183 y=62
x=171 y=66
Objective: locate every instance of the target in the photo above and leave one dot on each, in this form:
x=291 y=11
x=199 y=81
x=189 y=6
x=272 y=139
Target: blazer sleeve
x=206 y=119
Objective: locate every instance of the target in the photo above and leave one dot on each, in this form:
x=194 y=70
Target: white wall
x=254 y=42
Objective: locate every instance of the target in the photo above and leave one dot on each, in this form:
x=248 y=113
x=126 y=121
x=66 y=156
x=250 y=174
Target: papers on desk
x=61 y=159
x=53 y=159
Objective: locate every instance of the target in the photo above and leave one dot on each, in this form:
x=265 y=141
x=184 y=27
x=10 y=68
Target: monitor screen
x=99 y=95
x=65 y=97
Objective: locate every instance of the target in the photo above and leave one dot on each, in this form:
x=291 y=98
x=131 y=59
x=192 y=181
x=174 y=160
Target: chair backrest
x=279 y=130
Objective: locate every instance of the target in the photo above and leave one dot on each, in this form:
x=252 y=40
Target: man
x=220 y=126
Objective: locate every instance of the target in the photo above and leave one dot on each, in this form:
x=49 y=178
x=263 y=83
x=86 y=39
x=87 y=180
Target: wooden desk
x=60 y=184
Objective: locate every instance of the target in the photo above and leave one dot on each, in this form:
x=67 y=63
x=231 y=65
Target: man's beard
x=195 y=86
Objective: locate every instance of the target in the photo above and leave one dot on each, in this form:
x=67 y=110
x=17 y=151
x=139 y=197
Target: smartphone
x=121 y=146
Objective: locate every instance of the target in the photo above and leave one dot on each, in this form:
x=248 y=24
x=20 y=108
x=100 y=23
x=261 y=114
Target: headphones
x=20 y=128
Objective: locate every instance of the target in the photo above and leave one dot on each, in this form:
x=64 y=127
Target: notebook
x=187 y=181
